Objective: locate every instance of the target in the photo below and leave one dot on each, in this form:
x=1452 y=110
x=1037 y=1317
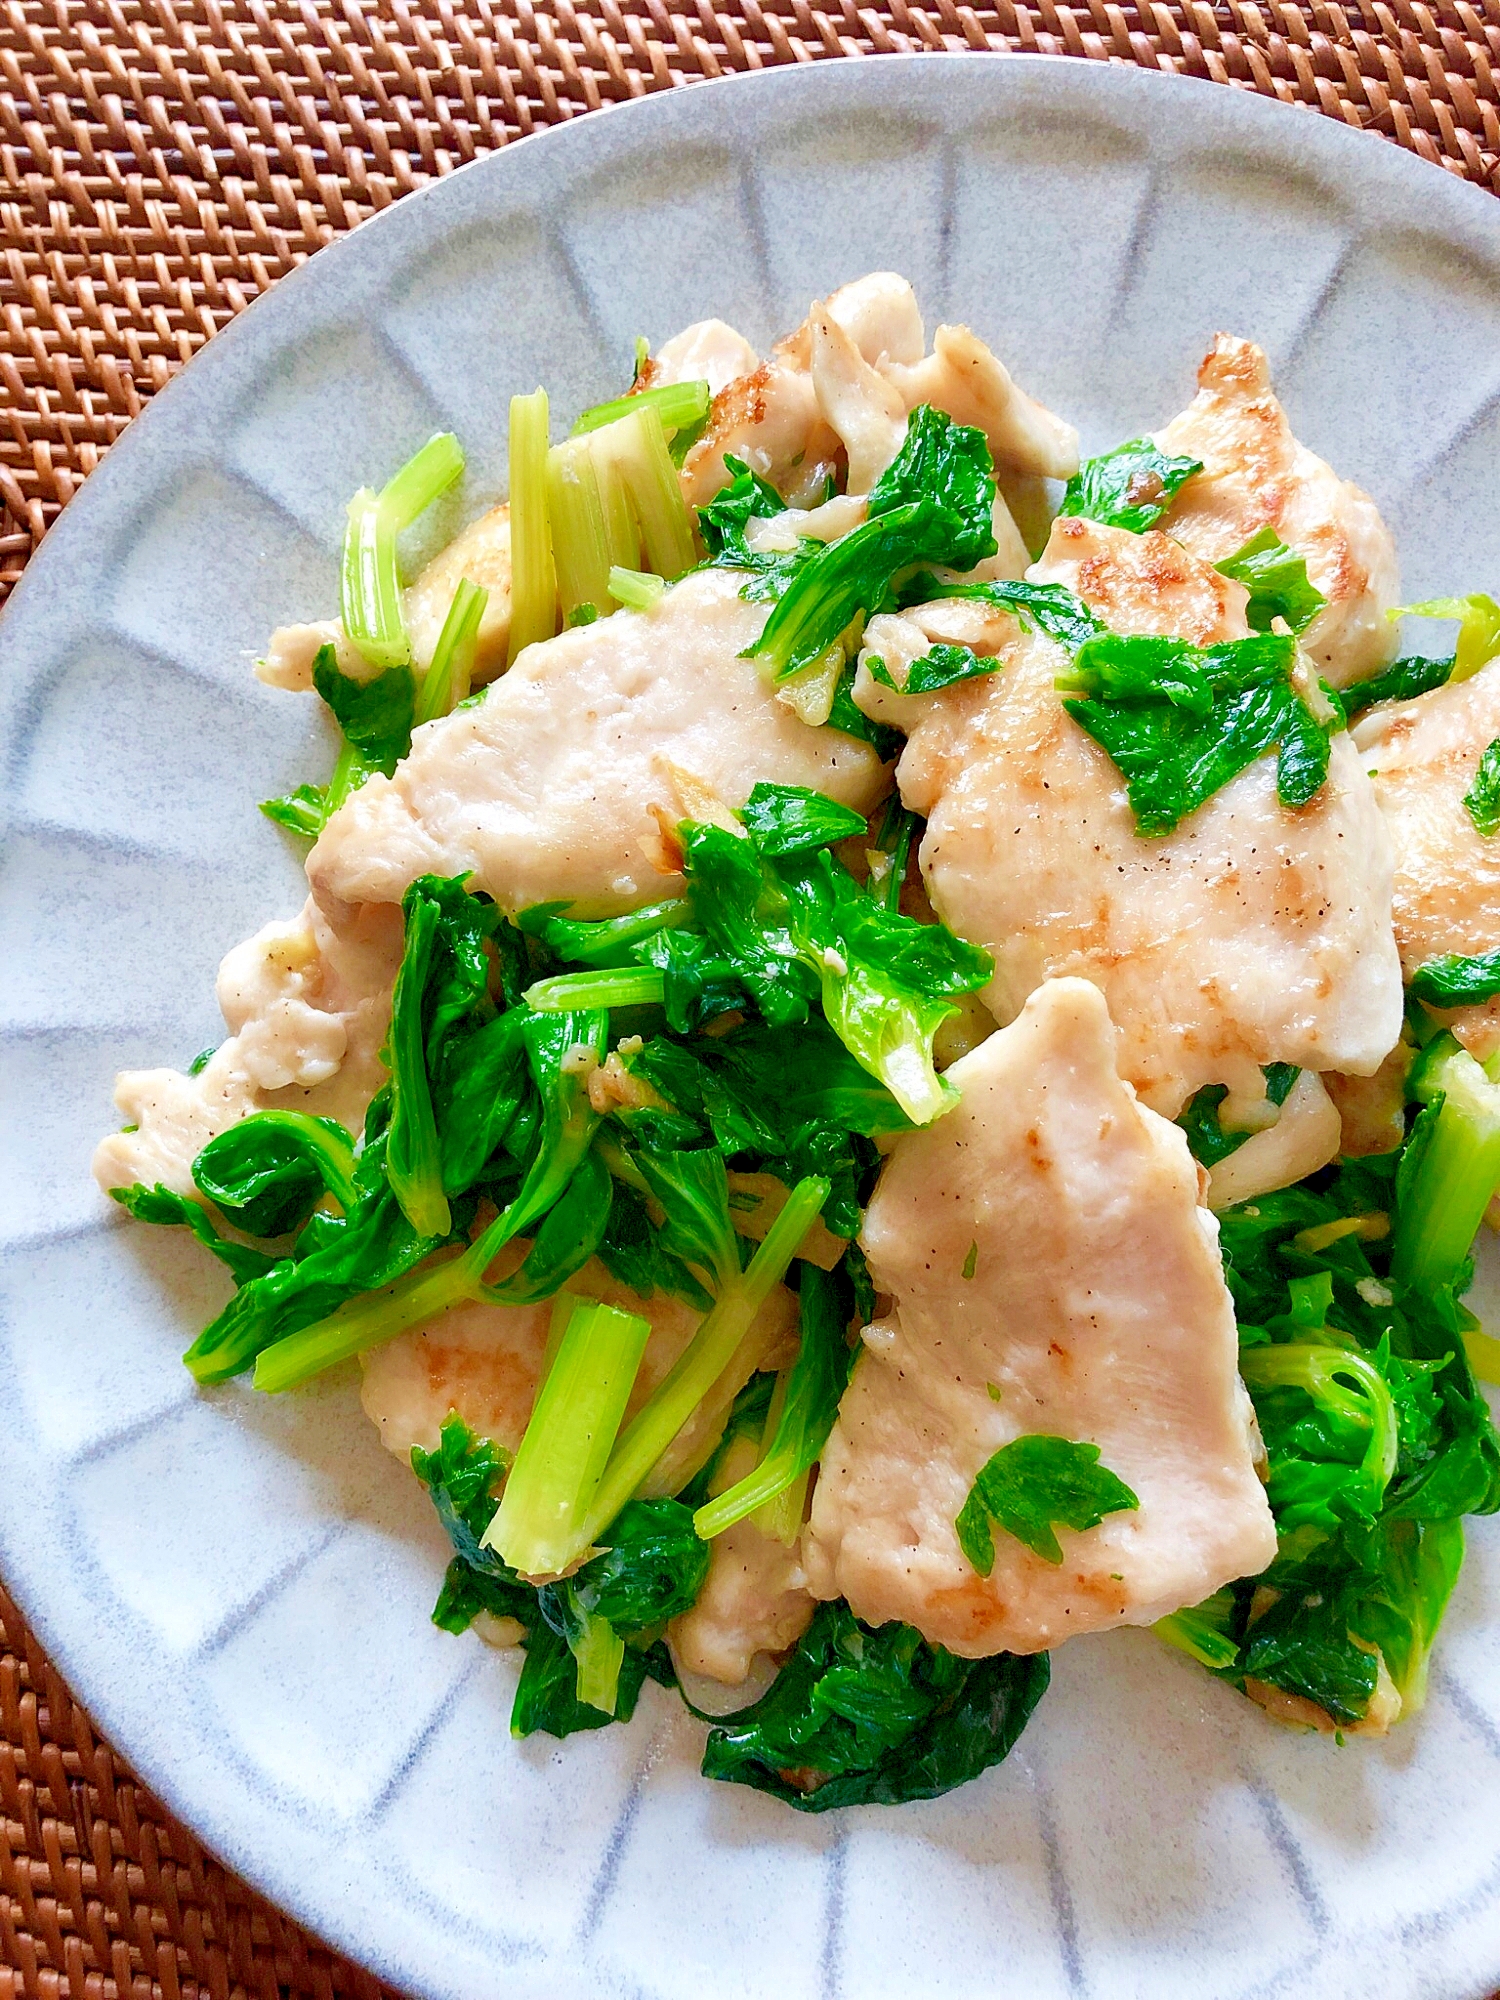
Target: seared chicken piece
x=1250 y=935
x=1053 y=1274
x=307 y=1004
x=1256 y=475
x=544 y=790
x=1423 y=755
x=485 y=1361
x=1305 y=1136
x=710 y=351
x=847 y=379
x=482 y=555
x=770 y=420
x=754 y=1599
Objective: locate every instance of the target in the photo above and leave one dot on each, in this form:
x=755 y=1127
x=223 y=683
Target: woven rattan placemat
x=163 y=161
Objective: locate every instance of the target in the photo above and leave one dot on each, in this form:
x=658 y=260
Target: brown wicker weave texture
x=162 y=164
x=166 y=160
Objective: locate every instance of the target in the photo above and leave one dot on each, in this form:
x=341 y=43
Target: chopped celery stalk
x=370 y=588
x=1456 y=1170
x=1200 y=1631
x=636 y=448
x=600 y=1653
x=553 y=1484
x=636 y=589
x=1478 y=628
x=698 y=1368
x=1483 y=1351
x=446 y=682
x=780 y=1519
x=627 y=986
x=803 y=1406
x=622 y=535
x=569 y=1123
x=678 y=404
x=533 y=584
x=579 y=543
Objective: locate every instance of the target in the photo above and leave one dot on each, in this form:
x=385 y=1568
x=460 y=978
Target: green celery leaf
x=1031 y=1483
x=932 y=504
x=1049 y=608
x=375 y=715
x=651 y=1569
x=1145 y=708
x=1482 y=799
x=874 y=1716
x=266 y=1173
x=1454 y=980
x=1276 y=577
x=304 y=811
x=785 y=819
x=1402 y=682
x=945 y=465
x=943 y=666
x=1129 y=487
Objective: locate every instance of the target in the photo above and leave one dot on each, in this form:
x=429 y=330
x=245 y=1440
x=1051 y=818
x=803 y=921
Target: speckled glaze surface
x=239 y=1587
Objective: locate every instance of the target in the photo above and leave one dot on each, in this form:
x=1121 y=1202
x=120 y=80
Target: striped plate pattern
x=239 y=1587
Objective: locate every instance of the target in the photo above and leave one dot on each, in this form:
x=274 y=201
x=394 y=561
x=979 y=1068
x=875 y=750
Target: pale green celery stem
x=573 y=991
x=677 y=404
x=337 y=1160
x=1198 y=1640
x=538 y=1527
x=760 y=1487
x=780 y=1520
x=349 y=772
x=376 y=1317
x=533 y=599
x=600 y=1653
x=1456 y=1177
x=636 y=589
x=703 y=1361
x=446 y=682
x=579 y=542
x=635 y=448
x=371 y=582
x=622 y=535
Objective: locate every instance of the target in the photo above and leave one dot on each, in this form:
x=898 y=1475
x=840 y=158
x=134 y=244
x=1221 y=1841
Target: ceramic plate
x=239 y=1587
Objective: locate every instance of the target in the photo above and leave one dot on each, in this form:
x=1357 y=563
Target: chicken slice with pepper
x=1053 y=1275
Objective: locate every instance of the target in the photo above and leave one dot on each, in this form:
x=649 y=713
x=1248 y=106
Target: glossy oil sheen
x=238 y=1587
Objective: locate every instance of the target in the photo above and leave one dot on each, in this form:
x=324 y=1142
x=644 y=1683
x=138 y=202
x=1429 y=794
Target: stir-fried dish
x=893 y=1056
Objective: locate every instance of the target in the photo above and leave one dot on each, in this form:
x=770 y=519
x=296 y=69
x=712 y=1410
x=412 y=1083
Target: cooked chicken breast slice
x=1305 y=1136
x=1250 y=935
x=709 y=351
x=1096 y=1311
x=1423 y=755
x=881 y=316
x=754 y=1599
x=771 y=421
x=1256 y=475
x=307 y=1004
x=845 y=382
x=544 y=791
